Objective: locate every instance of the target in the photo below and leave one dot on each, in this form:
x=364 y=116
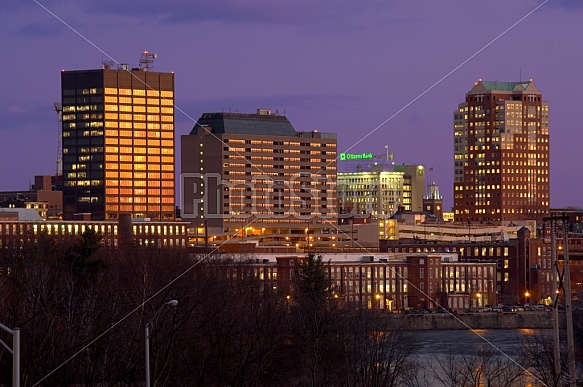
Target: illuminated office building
x=373 y=193
x=255 y=175
x=413 y=186
x=118 y=143
x=381 y=192
x=501 y=153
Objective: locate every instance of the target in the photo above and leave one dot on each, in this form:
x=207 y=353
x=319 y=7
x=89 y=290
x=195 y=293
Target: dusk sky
x=375 y=72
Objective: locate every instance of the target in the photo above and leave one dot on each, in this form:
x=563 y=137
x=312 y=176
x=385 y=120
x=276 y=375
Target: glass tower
x=118 y=143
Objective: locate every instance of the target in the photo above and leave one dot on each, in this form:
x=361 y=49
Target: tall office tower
x=118 y=143
x=501 y=154
x=254 y=174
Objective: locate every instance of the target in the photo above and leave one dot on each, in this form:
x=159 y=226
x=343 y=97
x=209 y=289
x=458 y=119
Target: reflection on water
x=434 y=346
x=440 y=341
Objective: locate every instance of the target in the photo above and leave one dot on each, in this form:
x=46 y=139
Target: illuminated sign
x=356 y=156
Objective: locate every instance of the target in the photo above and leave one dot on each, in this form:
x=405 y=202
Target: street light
x=147 y=337
x=15 y=351
x=527 y=297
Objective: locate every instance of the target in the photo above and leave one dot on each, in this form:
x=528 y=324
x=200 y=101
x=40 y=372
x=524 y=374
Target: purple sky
x=339 y=66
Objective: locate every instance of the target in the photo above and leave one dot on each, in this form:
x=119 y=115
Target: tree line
x=82 y=310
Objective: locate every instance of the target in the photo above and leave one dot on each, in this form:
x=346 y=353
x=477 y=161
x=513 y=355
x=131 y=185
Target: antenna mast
x=59 y=111
x=147 y=61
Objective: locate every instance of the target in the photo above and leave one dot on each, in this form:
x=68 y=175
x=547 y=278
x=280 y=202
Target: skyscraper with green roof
x=501 y=154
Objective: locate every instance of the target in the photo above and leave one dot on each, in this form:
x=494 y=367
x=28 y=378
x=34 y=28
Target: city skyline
x=344 y=69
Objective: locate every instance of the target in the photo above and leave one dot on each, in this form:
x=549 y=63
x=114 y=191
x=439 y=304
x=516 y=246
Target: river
x=434 y=346
x=430 y=342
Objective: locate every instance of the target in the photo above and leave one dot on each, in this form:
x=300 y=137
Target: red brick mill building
x=523 y=265
x=391 y=282
x=418 y=273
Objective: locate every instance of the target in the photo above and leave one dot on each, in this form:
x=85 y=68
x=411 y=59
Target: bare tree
x=538 y=357
x=485 y=367
x=379 y=351
x=232 y=328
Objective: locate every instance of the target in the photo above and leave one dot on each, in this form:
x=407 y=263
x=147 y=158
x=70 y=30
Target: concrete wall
x=523 y=320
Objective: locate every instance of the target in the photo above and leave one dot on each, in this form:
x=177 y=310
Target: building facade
x=45 y=196
x=382 y=192
x=118 y=143
x=413 y=186
x=254 y=175
x=370 y=193
x=393 y=282
x=523 y=264
x=16 y=234
x=501 y=153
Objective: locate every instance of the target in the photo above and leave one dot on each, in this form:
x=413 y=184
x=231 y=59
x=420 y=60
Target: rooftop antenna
x=147 y=61
x=59 y=111
x=107 y=64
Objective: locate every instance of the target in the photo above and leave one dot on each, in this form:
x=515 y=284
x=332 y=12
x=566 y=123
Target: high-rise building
x=254 y=175
x=501 y=153
x=118 y=143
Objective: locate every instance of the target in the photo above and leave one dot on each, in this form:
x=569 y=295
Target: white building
x=371 y=193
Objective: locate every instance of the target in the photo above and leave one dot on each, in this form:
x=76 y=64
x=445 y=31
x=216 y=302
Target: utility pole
x=15 y=351
x=562 y=282
x=555 y=291
x=568 y=304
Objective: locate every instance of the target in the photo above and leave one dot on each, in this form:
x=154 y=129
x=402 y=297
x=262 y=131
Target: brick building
x=501 y=154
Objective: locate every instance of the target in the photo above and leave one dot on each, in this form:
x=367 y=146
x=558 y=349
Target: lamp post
x=15 y=351
x=147 y=338
x=527 y=297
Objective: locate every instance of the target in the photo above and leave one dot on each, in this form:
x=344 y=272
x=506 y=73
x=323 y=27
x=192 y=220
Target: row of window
x=122 y=100
x=151 y=207
x=111 y=182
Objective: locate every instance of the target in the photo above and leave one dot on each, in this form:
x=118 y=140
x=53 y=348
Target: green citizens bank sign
x=358 y=156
